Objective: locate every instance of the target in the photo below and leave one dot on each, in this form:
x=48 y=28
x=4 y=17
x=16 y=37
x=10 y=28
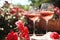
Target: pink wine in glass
x=46 y=15
x=33 y=16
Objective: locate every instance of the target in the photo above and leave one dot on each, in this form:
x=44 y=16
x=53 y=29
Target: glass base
x=33 y=37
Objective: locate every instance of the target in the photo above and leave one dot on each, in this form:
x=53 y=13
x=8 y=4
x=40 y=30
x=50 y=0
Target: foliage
x=8 y=16
x=25 y=7
x=56 y=3
x=38 y=2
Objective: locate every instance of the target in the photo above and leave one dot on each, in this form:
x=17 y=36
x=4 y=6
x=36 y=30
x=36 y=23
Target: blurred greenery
x=56 y=3
x=36 y=3
x=25 y=7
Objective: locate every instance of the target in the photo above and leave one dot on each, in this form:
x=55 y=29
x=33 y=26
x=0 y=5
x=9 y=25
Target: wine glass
x=34 y=17
x=46 y=13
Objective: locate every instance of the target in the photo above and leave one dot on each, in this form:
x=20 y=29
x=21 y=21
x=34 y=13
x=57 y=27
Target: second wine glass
x=46 y=13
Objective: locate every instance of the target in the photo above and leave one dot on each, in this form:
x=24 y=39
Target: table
x=44 y=37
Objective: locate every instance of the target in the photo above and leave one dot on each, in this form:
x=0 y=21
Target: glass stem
x=46 y=26
x=34 y=27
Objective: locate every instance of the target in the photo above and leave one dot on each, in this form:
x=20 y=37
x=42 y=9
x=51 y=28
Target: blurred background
x=13 y=10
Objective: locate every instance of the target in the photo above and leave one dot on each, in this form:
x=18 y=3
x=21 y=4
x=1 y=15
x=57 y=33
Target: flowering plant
x=23 y=32
x=12 y=36
x=9 y=14
x=57 y=13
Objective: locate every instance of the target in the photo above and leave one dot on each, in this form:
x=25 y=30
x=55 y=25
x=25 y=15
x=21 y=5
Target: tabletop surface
x=44 y=37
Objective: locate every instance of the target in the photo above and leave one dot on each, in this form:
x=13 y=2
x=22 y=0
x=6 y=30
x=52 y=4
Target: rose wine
x=46 y=15
x=33 y=16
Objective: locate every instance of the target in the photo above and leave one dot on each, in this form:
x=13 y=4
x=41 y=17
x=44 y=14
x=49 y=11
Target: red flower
x=54 y=35
x=12 y=36
x=25 y=34
x=12 y=11
x=20 y=25
x=59 y=36
x=58 y=12
x=26 y=30
x=21 y=10
x=55 y=9
x=16 y=8
x=23 y=30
